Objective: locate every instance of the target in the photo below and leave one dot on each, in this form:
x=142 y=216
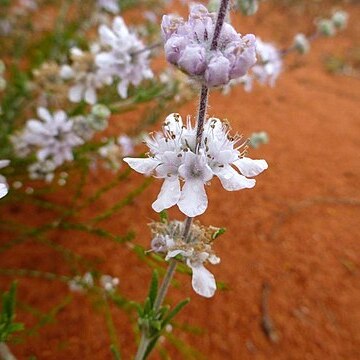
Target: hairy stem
x=219 y=23
x=203 y=103
x=204 y=94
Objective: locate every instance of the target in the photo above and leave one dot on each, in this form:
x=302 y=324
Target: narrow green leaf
x=175 y=311
x=115 y=352
x=164 y=216
x=153 y=287
x=218 y=232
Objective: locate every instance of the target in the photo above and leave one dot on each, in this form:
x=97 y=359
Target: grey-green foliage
x=7 y=316
x=152 y=320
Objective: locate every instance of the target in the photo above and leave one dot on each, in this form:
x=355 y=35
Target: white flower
x=85 y=75
x=42 y=170
x=52 y=136
x=173 y=157
x=127 y=145
x=195 y=250
x=112 y=6
x=4 y=187
x=109 y=283
x=269 y=64
x=126 y=58
x=81 y=283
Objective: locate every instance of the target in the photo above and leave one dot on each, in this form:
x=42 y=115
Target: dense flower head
x=125 y=58
x=174 y=156
x=269 y=63
x=85 y=75
x=188 y=46
x=4 y=187
x=51 y=136
x=195 y=250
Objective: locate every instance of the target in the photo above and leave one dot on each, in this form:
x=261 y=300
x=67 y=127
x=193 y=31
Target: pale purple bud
x=217 y=72
x=244 y=56
x=173 y=48
x=169 y=25
x=192 y=60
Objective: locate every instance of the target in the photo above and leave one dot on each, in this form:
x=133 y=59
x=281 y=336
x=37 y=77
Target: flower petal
x=3 y=190
x=203 y=281
x=231 y=180
x=169 y=194
x=4 y=163
x=143 y=166
x=193 y=200
x=250 y=167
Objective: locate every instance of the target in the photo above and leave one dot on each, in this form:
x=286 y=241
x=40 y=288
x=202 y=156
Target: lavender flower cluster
x=188 y=45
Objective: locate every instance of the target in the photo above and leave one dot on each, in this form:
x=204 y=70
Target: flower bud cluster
x=328 y=27
x=174 y=155
x=188 y=45
x=301 y=43
x=194 y=250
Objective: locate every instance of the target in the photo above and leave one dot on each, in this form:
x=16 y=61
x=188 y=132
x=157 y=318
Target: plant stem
x=204 y=94
x=145 y=340
x=219 y=23
x=5 y=353
x=203 y=103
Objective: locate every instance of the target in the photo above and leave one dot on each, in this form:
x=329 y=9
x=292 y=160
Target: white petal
x=231 y=180
x=193 y=200
x=250 y=167
x=90 y=95
x=66 y=72
x=106 y=35
x=173 y=253
x=169 y=194
x=4 y=163
x=76 y=93
x=122 y=88
x=203 y=281
x=143 y=166
x=3 y=190
x=44 y=114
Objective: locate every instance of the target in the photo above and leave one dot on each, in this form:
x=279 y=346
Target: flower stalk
x=204 y=94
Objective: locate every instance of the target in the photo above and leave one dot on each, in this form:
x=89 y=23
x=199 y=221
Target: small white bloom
x=269 y=63
x=111 y=6
x=81 y=283
x=195 y=250
x=126 y=59
x=52 y=136
x=173 y=157
x=127 y=145
x=4 y=187
x=85 y=75
x=109 y=283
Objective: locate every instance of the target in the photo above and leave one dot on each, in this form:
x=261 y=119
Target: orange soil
x=297 y=230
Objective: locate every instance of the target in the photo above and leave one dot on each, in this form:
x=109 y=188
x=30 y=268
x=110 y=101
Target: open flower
x=195 y=250
x=269 y=63
x=4 y=187
x=188 y=46
x=126 y=59
x=52 y=136
x=85 y=75
x=174 y=157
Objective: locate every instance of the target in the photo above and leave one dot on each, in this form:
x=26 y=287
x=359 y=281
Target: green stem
x=145 y=340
